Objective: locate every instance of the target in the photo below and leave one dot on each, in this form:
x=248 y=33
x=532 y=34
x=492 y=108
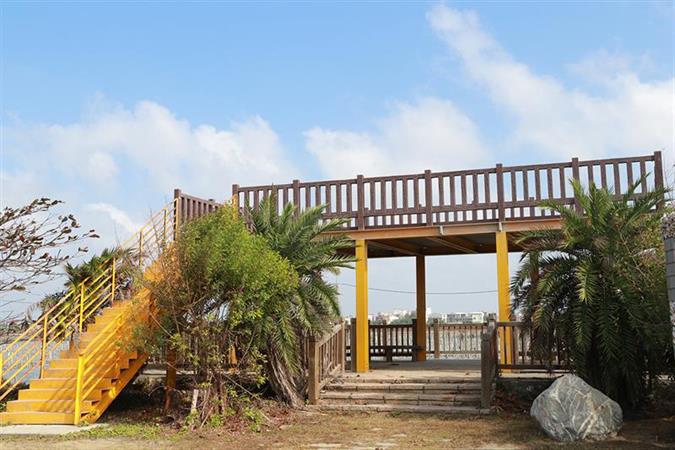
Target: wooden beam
x=421 y=311
x=456 y=243
x=399 y=247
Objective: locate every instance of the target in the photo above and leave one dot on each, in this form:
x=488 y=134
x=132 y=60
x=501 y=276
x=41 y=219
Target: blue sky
x=109 y=106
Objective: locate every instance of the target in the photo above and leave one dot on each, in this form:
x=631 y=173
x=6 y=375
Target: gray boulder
x=571 y=410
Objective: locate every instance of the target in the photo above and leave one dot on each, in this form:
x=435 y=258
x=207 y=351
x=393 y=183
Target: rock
x=571 y=410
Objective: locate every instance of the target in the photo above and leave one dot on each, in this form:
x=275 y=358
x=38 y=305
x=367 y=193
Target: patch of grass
x=132 y=430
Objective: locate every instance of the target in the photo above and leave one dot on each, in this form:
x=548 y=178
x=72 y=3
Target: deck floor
x=436 y=368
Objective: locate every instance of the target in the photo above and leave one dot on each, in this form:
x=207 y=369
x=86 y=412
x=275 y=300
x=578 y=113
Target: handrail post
x=658 y=176
x=78 y=390
x=235 y=200
x=428 y=198
x=341 y=342
x=414 y=339
x=44 y=347
x=140 y=249
x=176 y=212
x=500 y=193
x=575 y=175
x=164 y=223
x=1 y=364
x=360 y=207
x=314 y=357
x=437 y=339
x=114 y=274
x=352 y=344
x=79 y=328
x=296 y=197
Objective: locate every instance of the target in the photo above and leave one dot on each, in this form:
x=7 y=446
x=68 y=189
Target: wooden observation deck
x=454 y=212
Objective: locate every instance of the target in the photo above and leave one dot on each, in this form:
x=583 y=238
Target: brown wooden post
x=341 y=346
x=296 y=197
x=658 y=176
x=177 y=213
x=420 y=340
x=352 y=344
x=437 y=339
x=314 y=359
x=575 y=175
x=414 y=340
x=500 y=193
x=428 y=198
x=170 y=381
x=235 y=199
x=361 y=200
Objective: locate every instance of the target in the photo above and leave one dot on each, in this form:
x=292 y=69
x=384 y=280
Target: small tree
x=34 y=242
x=599 y=285
x=220 y=288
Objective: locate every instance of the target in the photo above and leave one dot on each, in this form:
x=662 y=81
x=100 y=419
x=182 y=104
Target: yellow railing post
x=78 y=390
x=44 y=345
x=1 y=364
x=140 y=248
x=112 y=281
x=81 y=307
x=164 y=228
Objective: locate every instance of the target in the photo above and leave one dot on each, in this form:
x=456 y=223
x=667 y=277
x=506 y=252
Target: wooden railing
x=442 y=339
x=438 y=198
x=326 y=359
x=189 y=207
x=521 y=354
x=488 y=363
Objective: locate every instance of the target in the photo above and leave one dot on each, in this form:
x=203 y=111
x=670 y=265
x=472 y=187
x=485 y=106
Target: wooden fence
x=189 y=207
x=442 y=339
x=326 y=358
x=466 y=196
x=523 y=355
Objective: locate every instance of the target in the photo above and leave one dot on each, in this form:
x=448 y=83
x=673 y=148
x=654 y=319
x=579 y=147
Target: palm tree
x=598 y=285
x=313 y=248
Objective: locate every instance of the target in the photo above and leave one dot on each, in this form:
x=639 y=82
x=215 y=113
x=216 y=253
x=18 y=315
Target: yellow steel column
x=362 y=350
x=421 y=283
x=503 y=295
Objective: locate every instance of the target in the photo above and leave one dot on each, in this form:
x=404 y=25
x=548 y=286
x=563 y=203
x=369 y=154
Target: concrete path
x=44 y=430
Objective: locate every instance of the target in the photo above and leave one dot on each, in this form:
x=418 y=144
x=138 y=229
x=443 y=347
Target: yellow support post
x=362 y=344
x=44 y=345
x=78 y=390
x=1 y=364
x=503 y=294
x=81 y=307
x=421 y=344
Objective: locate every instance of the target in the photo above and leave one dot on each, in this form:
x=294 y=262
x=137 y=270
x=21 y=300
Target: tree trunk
x=282 y=381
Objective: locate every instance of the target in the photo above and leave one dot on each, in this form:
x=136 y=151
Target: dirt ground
x=318 y=430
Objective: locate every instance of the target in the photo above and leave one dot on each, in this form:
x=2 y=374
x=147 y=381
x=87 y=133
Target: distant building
x=464 y=317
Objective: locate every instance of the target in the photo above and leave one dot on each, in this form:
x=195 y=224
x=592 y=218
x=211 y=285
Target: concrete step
x=405 y=387
x=64 y=406
x=413 y=409
x=56 y=394
x=35 y=418
x=406 y=380
x=364 y=398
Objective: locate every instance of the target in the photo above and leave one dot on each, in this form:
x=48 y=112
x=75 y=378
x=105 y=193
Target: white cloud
x=428 y=134
x=630 y=116
x=116 y=215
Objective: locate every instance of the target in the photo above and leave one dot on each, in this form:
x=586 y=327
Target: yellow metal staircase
x=82 y=346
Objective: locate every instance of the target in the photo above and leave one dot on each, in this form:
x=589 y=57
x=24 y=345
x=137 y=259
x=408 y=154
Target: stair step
x=35 y=418
x=408 y=380
x=58 y=383
x=71 y=363
x=112 y=372
x=63 y=406
x=420 y=409
x=56 y=394
x=402 y=387
x=389 y=398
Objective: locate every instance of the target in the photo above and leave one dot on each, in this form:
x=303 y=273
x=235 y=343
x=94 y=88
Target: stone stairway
x=407 y=394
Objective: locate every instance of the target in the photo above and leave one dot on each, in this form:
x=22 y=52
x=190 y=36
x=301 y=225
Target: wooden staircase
x=441 y=395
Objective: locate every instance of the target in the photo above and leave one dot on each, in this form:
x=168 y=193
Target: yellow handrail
x=55 y=325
